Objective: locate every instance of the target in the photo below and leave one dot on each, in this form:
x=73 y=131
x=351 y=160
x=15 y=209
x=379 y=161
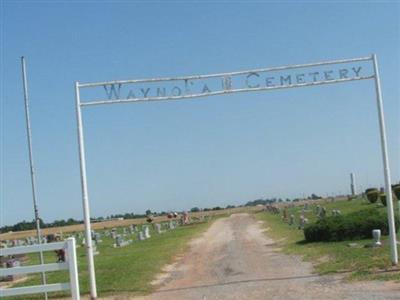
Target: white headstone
x=376 y=234
x=146 y=232
x=140 y=236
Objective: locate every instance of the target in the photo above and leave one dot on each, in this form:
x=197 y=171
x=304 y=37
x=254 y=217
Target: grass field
x=333 y=257
x=128 y=269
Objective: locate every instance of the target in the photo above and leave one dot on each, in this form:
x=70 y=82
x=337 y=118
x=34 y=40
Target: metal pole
x=85 y=198
x=386 y=169
x=352 y=185
x=32 y=169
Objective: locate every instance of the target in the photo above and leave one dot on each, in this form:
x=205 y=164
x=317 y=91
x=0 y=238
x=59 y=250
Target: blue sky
x=177 y=155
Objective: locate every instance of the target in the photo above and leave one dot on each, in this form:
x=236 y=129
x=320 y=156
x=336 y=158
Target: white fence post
x=70 y=265
x=73 y=268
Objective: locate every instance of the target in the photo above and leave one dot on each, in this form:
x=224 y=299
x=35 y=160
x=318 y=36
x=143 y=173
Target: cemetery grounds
x=356 y=260
x=237 y=255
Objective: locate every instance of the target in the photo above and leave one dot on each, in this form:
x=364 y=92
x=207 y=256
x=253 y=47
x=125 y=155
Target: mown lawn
x=129 y=269
x=333 y=257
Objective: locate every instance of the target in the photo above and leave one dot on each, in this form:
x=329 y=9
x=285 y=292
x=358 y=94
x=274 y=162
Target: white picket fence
x=70 y=264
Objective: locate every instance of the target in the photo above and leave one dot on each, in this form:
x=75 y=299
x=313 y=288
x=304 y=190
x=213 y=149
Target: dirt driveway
x=235 y=260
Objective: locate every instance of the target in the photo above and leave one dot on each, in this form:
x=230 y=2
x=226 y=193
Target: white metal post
x=32 y=168
x=73 y=268
x=85 y=198
x=386 y=169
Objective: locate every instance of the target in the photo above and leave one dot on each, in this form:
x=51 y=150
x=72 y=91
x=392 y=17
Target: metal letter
x=205 y=89
x=178 y=91
x=145 y=92
x=328 y=75
x=131 y=95
x=112 y=91
x=314 y=75
x=227 y=83
x=161 y=92
x=300 y=78
x=343 y=73
x=357 y=71
x=187 y=87
x=268 y=81
x=288 y=78
x=247 y=80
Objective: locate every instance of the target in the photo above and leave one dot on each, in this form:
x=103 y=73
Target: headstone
x=291 y=220
x=336 y=212
x=146 y=232
x=12 y=263
x=140 y=236
x=303 y=222
x=94 y=247
x=120 y=242
x=158 y=228
x=376 y=234
x=113 y=233
x=322 y=212
x=171 y=225
x=284 y=215
x=132 y=228
x=98 y=238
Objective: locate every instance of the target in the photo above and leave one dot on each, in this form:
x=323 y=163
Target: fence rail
x=70 y=264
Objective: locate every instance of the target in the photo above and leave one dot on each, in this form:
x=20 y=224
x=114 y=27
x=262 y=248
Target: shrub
x=356 y=225
x=370 y=190
x=372 y=195
x=396 y=190
x=382 y=197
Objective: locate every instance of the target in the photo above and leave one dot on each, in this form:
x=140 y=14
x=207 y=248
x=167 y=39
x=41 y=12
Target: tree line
x=30 y=225
x=26 y=225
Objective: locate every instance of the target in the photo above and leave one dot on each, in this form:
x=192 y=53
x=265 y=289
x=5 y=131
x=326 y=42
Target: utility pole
x=32 y=169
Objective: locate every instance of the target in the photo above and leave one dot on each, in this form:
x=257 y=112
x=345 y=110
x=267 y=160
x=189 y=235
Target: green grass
x=333 y=257
x=129 y=269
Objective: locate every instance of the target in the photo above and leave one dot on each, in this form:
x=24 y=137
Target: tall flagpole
x=32 y=169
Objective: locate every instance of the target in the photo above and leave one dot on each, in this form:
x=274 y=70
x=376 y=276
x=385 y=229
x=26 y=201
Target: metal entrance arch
x=181 y=88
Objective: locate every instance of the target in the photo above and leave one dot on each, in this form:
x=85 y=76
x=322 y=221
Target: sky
x=214 y=151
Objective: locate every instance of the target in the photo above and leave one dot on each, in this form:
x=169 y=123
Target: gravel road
x=235 y=260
